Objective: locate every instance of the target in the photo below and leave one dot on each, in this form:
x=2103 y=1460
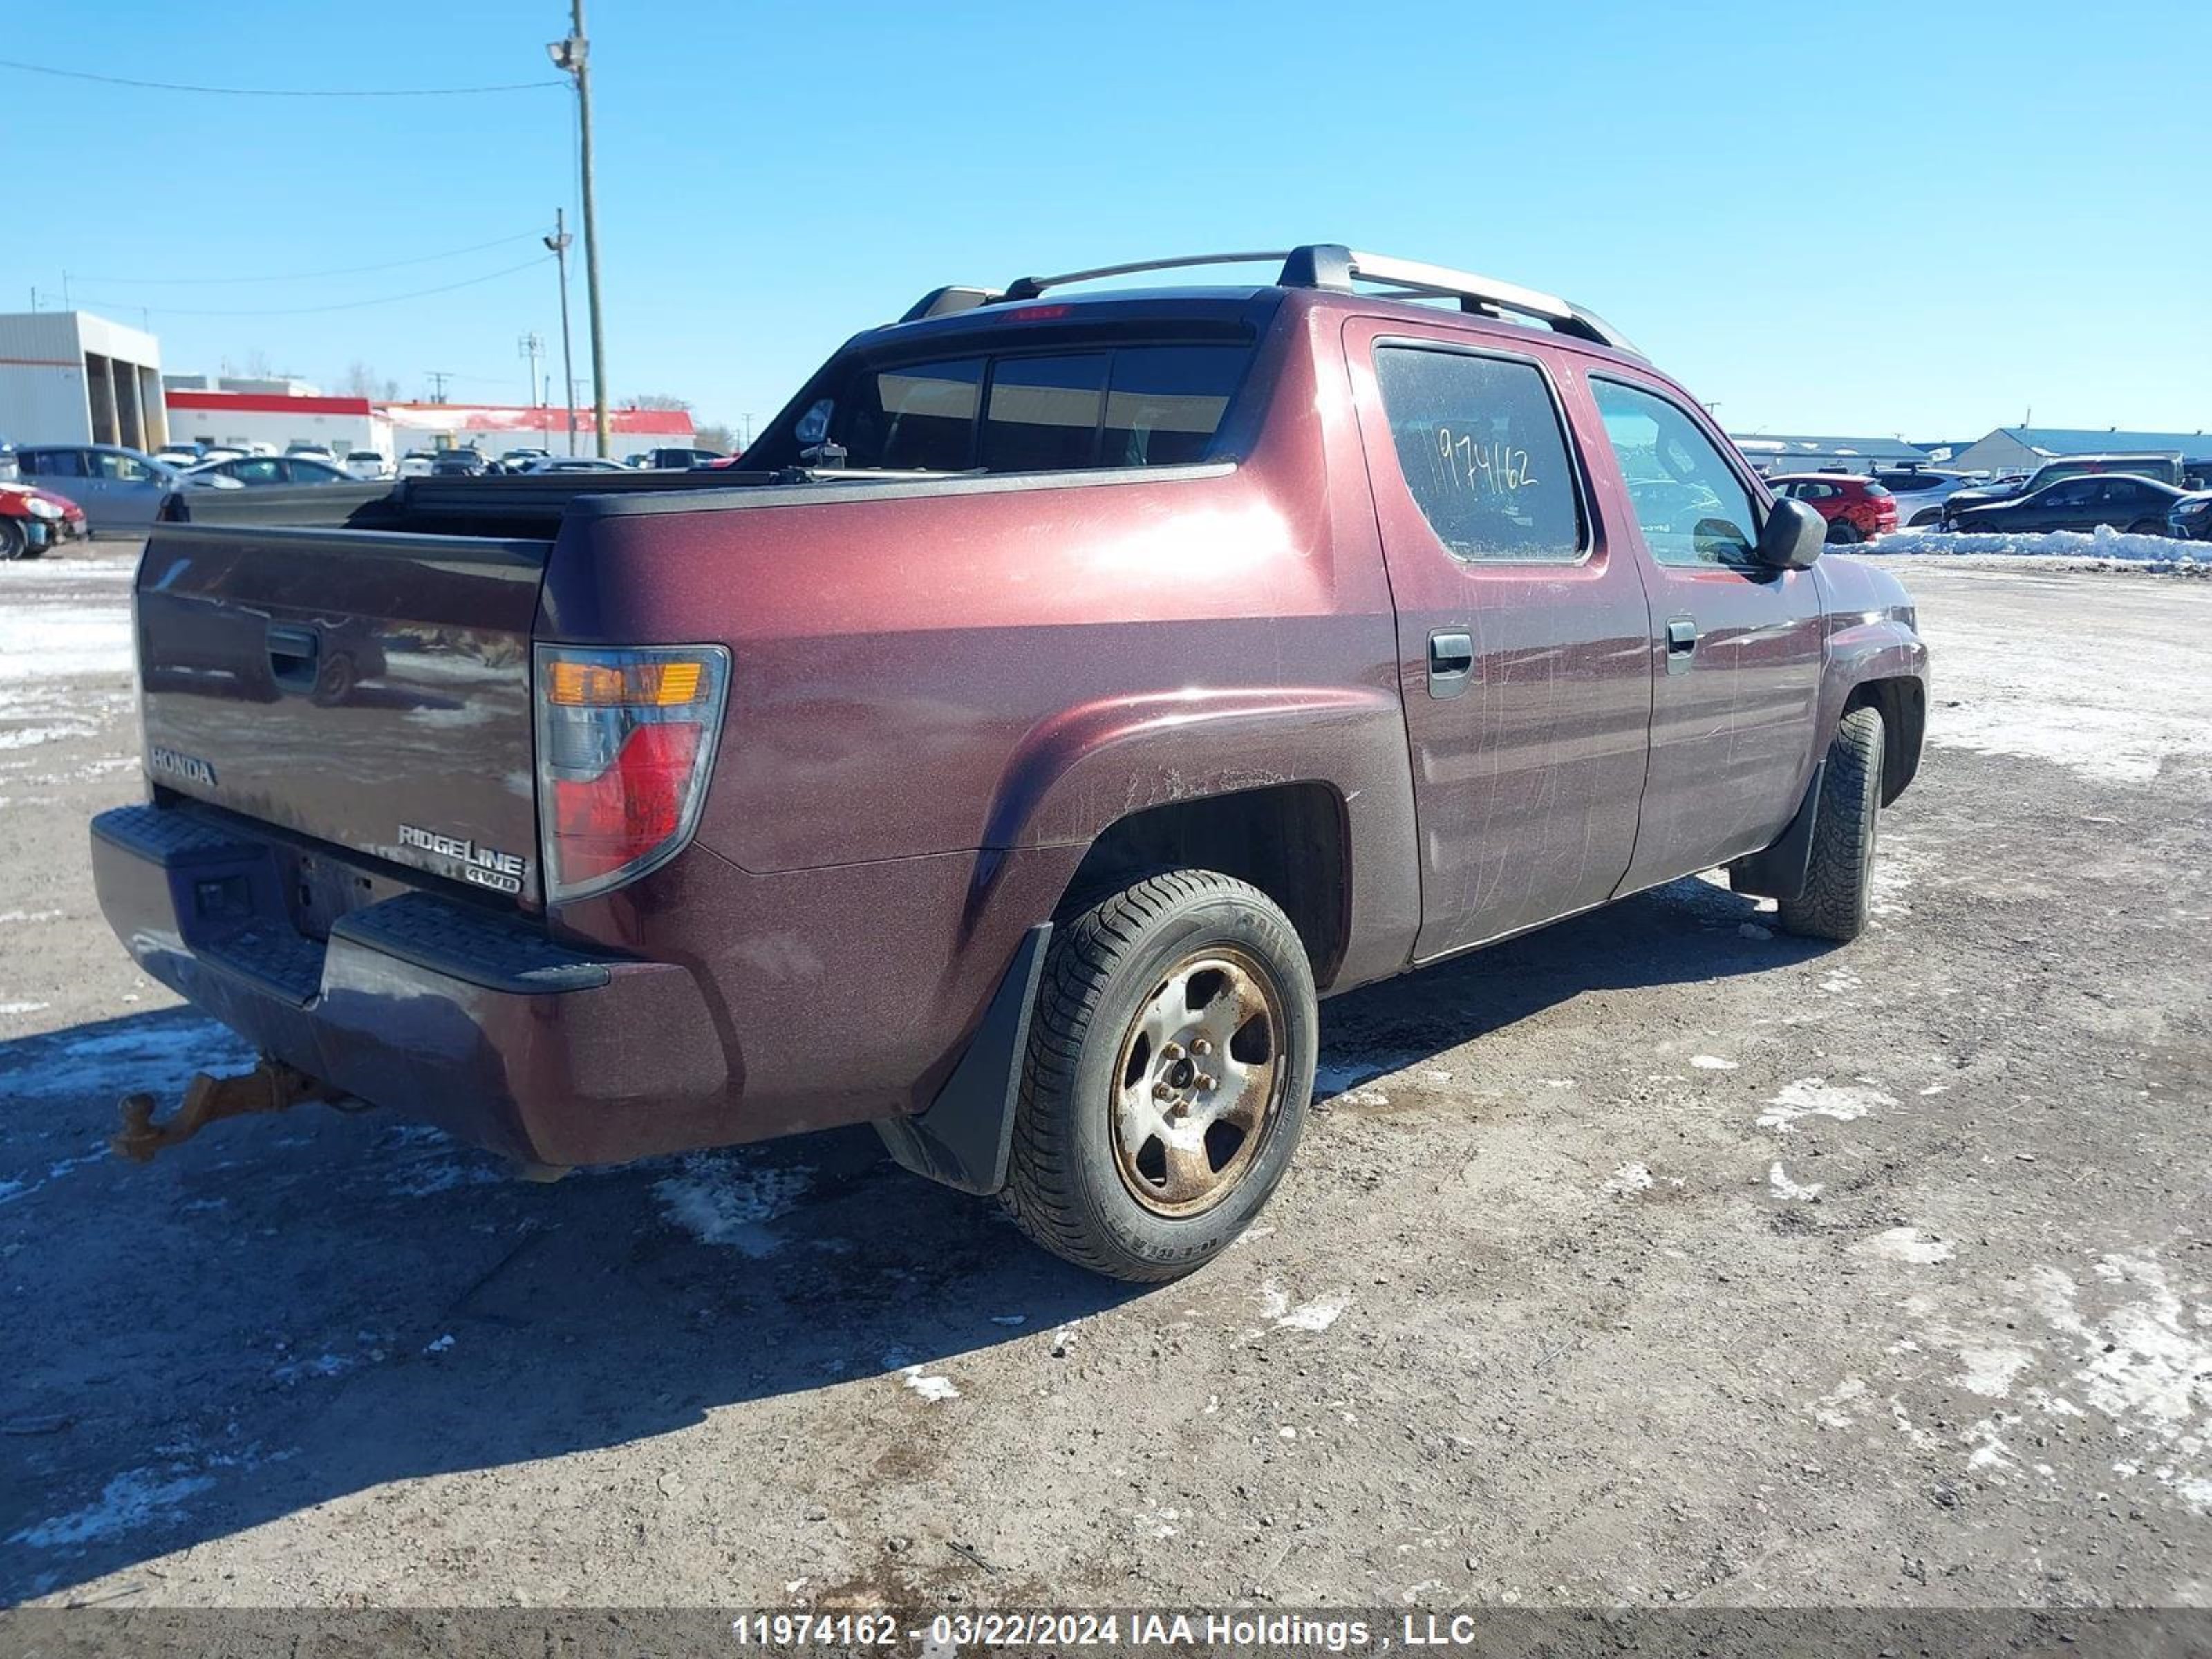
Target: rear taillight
x=625 y=742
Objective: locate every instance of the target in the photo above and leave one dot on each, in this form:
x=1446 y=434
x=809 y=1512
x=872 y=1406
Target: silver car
x=1921 y=493
x=121 y=490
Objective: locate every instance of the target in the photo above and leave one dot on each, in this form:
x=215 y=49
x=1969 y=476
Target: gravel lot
x=1652 y=1259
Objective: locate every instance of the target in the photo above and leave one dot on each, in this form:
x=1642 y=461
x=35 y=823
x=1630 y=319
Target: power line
x=311 y=276
x=278 y=92
x=342 y=305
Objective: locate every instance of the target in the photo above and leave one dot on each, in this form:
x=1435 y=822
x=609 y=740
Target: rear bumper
x=428 y=1006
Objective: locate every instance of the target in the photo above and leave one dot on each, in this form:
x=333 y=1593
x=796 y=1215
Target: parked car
x=181 y=456
x=2163 y=466
x=120 y=489
x=313 y=452
x=2082 y=503
x=1025 y=816
x=223 y=452
x=2190 y=518
x=680 y=458
x=1855 y=509
x=31 y=521
x=517 y=460
x=417 y=462
x=262 y=471
x=1921 y=492
x=457 y=464
x=369 y=465
x=573 y=464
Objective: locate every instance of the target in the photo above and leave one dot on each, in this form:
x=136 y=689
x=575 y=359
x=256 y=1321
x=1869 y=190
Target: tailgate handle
x=292 y=654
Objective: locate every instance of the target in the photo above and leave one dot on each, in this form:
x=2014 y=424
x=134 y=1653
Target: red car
x=32 y=520
x=1857 y=509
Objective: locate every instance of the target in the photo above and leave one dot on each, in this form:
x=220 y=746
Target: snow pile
x=2103 y=543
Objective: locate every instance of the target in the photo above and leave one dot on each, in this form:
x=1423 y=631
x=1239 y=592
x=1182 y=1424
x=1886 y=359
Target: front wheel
x=13 y=544
x=1170 y=1061
x=1839 y=880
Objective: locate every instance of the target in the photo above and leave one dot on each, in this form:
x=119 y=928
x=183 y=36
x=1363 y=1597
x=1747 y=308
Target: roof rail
x=1323 y=265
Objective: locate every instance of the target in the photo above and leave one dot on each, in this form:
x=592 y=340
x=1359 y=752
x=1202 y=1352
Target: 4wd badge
x=484 y=867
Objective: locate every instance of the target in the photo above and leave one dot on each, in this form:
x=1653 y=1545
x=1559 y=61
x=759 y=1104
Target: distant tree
x=257 y=364
x=713 y=436
x=392 y=392
x=660 y=400
x=360 y=381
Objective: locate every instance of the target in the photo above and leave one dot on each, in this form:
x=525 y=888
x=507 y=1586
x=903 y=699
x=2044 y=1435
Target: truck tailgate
x=366 y=689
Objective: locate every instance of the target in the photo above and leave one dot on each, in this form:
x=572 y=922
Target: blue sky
x=1878 y=218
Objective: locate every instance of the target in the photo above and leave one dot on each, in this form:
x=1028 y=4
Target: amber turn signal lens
x=628 y=685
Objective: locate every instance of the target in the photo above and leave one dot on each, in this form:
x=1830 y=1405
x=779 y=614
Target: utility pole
x=558 y=241
x=574 y=55
x=531 y=347
x=438 y=377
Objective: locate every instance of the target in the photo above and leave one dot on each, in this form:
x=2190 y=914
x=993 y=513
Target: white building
x=71 y=377
x=494 y=429
x=2024 y=448
x=272 y=423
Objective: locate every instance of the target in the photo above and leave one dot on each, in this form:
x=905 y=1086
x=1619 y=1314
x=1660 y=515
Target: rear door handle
x=1452 y=661
x=1681 y=643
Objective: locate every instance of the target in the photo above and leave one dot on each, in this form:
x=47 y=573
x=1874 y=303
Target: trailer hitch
x=270 y=1086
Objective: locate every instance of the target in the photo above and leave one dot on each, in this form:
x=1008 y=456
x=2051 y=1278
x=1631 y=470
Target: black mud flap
x=964 y=1138
x=1781 y=871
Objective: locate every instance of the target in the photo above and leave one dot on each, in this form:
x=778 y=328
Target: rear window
x=1874 y=488
x=1127 y=406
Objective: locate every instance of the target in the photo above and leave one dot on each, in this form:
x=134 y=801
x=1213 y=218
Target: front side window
x=2071 y=493
x=1689 y=503
x=126 y=468
x=1481 y=447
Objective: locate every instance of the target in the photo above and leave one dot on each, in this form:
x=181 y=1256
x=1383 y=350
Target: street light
x=572 y=56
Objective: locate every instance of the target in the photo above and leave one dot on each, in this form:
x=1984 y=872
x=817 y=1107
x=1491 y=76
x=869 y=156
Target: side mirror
x=1792 y=537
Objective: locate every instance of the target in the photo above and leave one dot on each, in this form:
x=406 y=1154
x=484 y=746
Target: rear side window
x=54 y=463
x=1123 y=407
x=1481 y=449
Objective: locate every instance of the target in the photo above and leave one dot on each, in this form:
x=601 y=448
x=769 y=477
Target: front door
x=1737 y=648
x=1523 y=638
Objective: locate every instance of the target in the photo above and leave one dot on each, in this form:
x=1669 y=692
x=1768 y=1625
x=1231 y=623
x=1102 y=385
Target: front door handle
x=1452 y=661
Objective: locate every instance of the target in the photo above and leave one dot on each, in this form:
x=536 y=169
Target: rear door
x=1737 y=648
x=1524 y=636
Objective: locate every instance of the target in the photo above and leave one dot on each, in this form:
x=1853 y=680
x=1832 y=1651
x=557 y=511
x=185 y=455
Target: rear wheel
x=1170 y=1061
x=1840 y=878
x=1841 y=532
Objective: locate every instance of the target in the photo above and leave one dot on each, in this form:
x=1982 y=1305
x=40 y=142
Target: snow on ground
x=2003 y=684
x=2103 y=543
x=44 y=641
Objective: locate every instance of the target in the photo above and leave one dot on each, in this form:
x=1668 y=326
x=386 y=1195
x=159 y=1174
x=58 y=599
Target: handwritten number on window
x=1467 y=463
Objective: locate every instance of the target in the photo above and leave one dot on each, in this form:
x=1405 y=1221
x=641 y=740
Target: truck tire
x=1841 y=874
x=1170 y=1061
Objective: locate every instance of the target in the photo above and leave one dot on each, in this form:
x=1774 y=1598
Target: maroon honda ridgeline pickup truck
x=1073 y=688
